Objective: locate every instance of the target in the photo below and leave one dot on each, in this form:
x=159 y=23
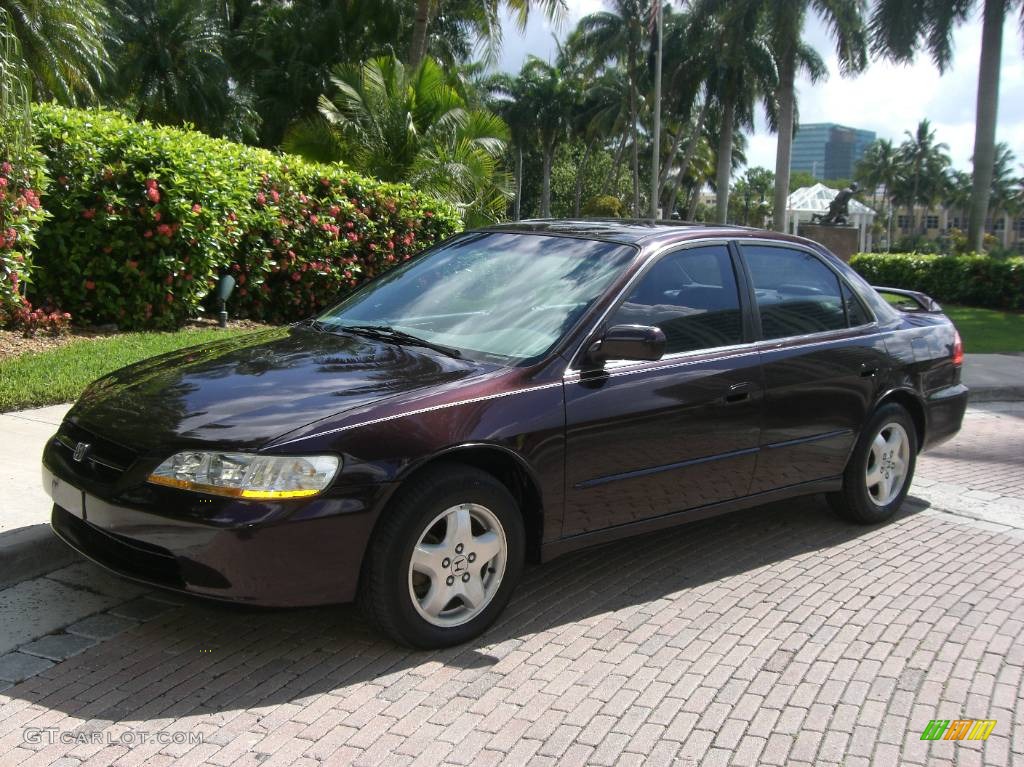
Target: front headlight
x=243 y=475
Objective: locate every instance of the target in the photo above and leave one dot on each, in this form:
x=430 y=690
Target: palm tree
x=744 y=73
x=619 y=35
x=925 y=161
x=544 y=101
x=15 y=90
x=62 y=43
x=1003 y=199
x=410 y=125
x=483 y=15
x=880 y=167
x=170 y=66
x=899 y=28
x=845 y=20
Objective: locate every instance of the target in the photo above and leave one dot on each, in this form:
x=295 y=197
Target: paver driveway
x=778 y=635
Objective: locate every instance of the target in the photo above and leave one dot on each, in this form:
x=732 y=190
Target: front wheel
x=881 y=468
x=445 y=559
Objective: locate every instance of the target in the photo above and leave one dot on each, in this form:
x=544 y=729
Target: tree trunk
x=985 y=121
x=691 y=207
x=724 y=171
x=579 y=177
x=691 y=144
x=613 y=174
x=784 y=146
x=418 y=47
x=545 y=195
x=519 y=182
x=633 y=133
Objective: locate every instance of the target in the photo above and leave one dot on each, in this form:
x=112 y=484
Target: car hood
x=245 y=391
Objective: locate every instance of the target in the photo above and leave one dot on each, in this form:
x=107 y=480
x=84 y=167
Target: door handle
x=737 y=393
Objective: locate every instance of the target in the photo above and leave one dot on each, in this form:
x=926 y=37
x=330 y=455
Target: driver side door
x=644 y=439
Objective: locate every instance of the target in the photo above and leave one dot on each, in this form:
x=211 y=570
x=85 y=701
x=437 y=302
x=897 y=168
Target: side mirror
x=628 y=342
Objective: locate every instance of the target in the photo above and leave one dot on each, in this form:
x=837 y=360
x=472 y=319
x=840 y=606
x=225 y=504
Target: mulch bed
x=14 y=344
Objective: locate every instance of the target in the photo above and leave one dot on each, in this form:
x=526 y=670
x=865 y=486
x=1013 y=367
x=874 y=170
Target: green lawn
x=60 y=374
x=988 y=330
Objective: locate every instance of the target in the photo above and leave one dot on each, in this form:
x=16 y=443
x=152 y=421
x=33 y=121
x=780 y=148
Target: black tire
x=384 y=591
x=855 y=502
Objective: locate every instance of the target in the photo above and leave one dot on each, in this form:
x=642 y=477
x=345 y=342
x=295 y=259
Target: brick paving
x=777 y=636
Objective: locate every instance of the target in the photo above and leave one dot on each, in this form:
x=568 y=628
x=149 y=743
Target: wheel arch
x=911 y=402
x=510 y=469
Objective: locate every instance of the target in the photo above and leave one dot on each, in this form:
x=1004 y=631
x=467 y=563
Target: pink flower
x=3 y=182
x=274 y=195
x=90 y=285
x=6 y=167
x=296 y=276
x=164 y=230
x=261 y=199
x=148 y=233
x=153 y=194
x=89 y=213
x=197 y=208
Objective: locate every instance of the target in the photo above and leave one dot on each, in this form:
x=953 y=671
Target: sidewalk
x=28 y=549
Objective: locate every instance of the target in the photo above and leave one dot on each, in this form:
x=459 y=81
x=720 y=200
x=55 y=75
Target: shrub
x=603 y=205
x=144 y=219
x=974 y=280
x=21 y=213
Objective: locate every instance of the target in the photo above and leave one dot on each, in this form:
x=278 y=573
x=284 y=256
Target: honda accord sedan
x=511 y=394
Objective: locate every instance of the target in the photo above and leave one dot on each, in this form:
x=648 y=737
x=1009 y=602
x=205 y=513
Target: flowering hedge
x=981 y=281
x=144 y=219
x=21 y=213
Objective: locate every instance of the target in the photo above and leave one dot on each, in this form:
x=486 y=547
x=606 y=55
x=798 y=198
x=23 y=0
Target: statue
x=838 y=209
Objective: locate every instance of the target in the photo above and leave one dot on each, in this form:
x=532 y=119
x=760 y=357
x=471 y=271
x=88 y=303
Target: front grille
x=101 y=459
x=134 y=558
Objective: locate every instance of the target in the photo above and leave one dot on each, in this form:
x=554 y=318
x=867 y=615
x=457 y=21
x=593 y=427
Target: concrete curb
x=996 y=394
x=28 y=552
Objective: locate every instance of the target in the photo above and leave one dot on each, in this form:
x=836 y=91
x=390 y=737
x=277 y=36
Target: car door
x=822 y=358
x=652 y=438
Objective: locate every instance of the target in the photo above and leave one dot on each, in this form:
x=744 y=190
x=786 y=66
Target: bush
x=981 y=281
x=21 y=213
x=144 y=219
x=603 y=205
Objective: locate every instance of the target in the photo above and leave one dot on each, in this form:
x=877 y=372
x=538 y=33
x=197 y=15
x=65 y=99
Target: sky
x=887 y=98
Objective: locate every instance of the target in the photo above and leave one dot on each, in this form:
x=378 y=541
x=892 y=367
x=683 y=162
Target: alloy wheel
x=888 y=459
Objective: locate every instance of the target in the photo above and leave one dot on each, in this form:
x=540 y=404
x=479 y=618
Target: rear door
x=645 y=439
x=822 y=358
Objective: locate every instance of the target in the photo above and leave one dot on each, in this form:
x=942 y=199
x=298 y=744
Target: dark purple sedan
x=515 y=392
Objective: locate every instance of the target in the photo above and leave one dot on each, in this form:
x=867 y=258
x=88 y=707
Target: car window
x=692 y=296
x=796 y=293
x=856 y=314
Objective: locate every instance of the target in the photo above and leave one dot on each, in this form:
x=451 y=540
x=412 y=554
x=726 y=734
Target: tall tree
x=845 y=21
x=900 y=28
x=880 y=167
x=63 y=43
x=483 y=15
x=544 y=101
x=170 y=65
x=925 y=161
x=410 y=125
x=620 y=35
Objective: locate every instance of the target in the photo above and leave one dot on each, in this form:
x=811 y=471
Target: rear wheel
x=445 y=558
x=881 y=468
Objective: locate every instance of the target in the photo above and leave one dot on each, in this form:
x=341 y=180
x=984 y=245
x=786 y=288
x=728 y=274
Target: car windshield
x=508 y=297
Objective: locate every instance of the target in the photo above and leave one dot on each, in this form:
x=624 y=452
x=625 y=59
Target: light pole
x=656 y=142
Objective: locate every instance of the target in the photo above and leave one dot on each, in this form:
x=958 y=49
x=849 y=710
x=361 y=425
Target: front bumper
x=296 y=554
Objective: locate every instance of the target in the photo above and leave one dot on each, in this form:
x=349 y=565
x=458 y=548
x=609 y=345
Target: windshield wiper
x=314 y=324
x=388 y=333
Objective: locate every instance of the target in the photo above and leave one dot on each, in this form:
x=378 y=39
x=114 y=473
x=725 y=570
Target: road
x=779 y=635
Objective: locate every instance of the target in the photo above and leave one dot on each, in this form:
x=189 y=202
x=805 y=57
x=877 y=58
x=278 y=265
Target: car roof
x=633 y=231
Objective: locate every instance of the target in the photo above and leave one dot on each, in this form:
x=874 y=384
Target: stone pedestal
x=841 y=240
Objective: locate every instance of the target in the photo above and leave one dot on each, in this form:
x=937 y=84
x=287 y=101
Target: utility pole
x=656 y=142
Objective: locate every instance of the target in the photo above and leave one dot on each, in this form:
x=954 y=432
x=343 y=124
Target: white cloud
x=888 y=98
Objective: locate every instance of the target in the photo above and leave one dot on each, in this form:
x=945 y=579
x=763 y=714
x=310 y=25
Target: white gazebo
x=810 y=200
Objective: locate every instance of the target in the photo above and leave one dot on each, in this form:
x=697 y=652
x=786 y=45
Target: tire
x=450 y=517
x=867 y=502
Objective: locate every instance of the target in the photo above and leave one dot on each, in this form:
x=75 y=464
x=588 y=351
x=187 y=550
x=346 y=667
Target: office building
x=827 y=150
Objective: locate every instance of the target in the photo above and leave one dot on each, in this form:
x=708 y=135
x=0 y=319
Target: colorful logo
x=958 y=729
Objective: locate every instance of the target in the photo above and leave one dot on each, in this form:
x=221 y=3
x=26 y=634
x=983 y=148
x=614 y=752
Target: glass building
x=827 y=150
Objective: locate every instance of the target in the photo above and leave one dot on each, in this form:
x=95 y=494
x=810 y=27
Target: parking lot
x=778 y=635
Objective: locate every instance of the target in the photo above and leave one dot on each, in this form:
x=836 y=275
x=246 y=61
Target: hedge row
x=142 y=220
x=982 y=281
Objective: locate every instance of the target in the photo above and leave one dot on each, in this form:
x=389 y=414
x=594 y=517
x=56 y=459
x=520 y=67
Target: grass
x=988 y=331
x=60 y=374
